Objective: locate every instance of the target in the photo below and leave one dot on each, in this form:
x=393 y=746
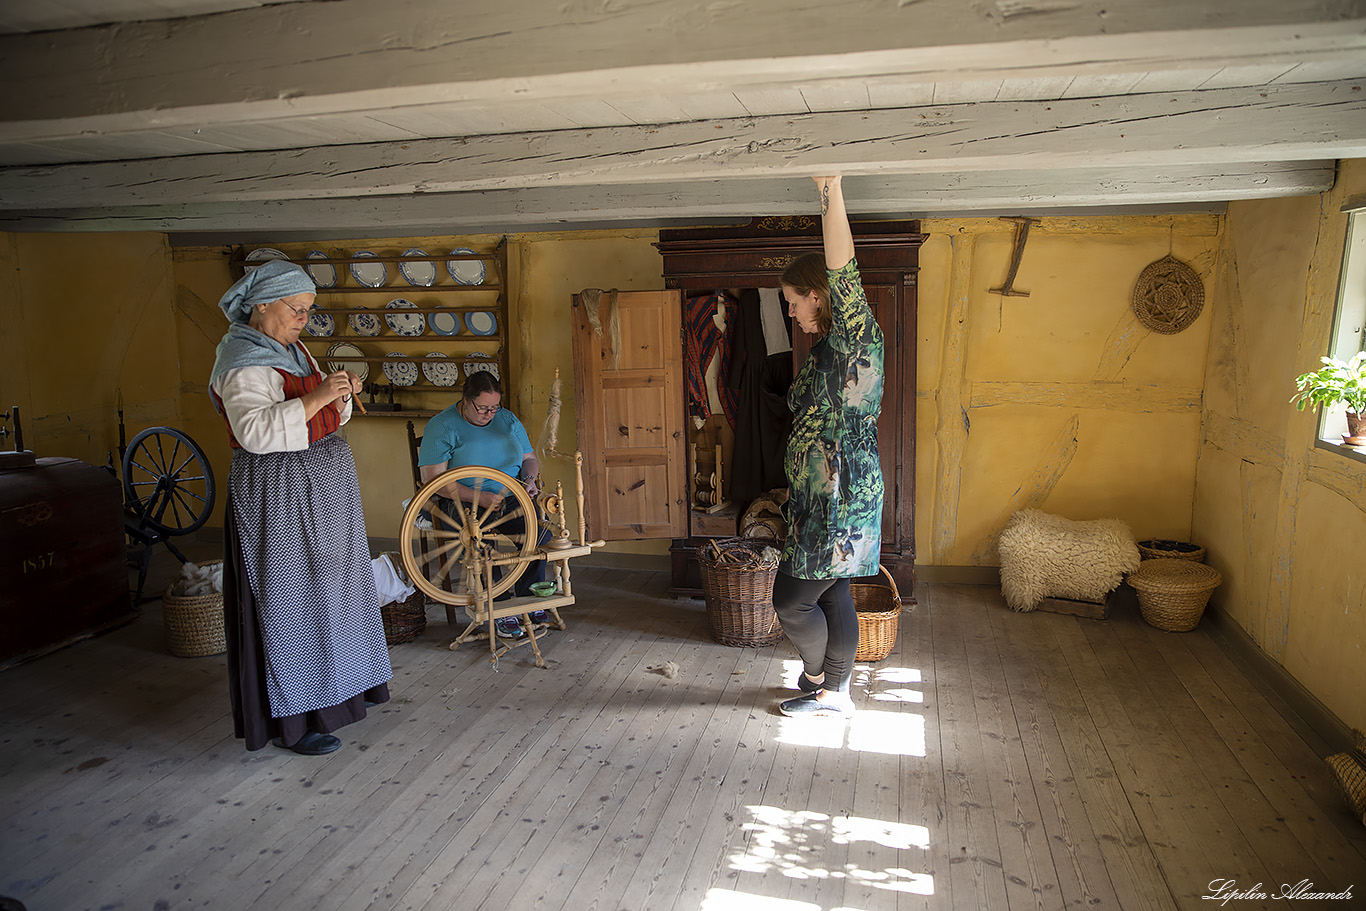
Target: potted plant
x=1338 y=383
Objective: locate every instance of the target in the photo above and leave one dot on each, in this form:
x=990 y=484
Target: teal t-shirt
x=502 y=443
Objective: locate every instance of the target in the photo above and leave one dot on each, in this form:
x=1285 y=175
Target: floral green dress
x=834 y=507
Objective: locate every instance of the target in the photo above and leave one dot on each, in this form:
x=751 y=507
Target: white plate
x=423 y=275
x=445 y=323
x=371 y=275
x=481 y=322
x=346 y=349
x=262 y=255
x=404 y=323
x=440 y=374
x=486 y=364
x=320 y=323
x=400 y=373
x=364 y=323
x=324 y=275
x=466 y=271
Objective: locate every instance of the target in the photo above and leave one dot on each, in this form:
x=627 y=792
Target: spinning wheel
x=167 y=481
x=434 y=556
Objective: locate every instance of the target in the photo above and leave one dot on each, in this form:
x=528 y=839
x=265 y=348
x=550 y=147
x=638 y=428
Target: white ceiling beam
x=363 y=55
x=1213 y=128
x=661 y=203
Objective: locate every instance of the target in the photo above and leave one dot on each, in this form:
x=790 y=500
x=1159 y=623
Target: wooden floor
x=998 y=761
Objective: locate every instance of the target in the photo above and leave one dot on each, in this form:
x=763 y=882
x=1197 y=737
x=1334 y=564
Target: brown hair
x=807 y=273
x=479 y=382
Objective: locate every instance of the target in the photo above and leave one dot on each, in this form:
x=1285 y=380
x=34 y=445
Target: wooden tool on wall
x=1022 y=225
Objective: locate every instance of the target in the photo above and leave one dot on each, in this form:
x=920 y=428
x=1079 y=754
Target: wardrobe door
x=628 y=390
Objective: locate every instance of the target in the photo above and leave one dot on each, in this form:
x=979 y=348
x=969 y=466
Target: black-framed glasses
x=485 y=409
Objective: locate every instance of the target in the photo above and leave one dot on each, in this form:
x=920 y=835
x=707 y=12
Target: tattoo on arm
x=825 y=200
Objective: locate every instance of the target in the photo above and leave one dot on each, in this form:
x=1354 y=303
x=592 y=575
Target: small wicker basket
x=1172 y=594
x=1177 y=550
x=738 y=587
x=1349 y=772
x=194 y=623
x=403 y=620
x=879 y=610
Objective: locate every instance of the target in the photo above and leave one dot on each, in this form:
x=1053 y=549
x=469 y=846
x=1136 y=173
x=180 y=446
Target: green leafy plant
x=1335 y=383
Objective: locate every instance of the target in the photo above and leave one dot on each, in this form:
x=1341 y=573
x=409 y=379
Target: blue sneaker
x=540 y=616
x=509 y=628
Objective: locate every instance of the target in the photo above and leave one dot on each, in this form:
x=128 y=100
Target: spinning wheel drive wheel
x=434 y=557
x=167 y=481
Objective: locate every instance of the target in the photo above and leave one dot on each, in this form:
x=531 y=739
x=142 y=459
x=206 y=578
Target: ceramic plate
x=404 y=323
x=320 y=323
x=371 y=275
x=440 y=373
x=324 y=275
x=483 y=362
x=364 y=323
x=400 y=373
x=481 y=322
x=346 y=349
x=262 y=255
x=445 y=323
x=422 y=275
x=465 y=271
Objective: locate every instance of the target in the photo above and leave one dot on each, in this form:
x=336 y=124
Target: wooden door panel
x=629 y=408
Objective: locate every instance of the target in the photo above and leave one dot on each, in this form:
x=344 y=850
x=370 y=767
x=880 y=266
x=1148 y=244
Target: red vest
x=327 y=420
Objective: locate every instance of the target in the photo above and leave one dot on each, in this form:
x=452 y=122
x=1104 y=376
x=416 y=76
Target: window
x=1349 y=324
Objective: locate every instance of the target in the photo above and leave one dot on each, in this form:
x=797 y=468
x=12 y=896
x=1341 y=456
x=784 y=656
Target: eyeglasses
x=297 y=311
x=485 y=409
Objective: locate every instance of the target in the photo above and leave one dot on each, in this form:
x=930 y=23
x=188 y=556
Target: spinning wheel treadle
x=435 y=557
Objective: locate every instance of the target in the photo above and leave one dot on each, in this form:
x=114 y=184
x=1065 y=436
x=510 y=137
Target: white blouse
x=261 y=419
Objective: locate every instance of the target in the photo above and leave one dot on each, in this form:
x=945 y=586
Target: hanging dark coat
x=760 y=382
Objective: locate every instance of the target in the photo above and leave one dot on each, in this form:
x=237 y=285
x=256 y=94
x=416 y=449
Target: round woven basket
x=194 y=623
x=738 y=588
x=1349 y=773
x=1176 y=550
x=403 y=620
x=879 y=610
x=1172 y=594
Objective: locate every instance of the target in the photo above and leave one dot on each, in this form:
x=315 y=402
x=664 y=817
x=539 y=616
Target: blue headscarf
x=243 y=346
x=265 y=284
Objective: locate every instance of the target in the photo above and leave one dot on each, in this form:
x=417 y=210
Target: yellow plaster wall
x=83 y=318
x=1282 y=520
x=1061 y=400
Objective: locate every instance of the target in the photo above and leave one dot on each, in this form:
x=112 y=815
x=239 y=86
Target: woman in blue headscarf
x=306 y=649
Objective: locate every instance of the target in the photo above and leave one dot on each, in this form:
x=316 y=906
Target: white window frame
x=1349 y=326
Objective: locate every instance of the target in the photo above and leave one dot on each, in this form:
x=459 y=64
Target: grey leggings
x=818 y=616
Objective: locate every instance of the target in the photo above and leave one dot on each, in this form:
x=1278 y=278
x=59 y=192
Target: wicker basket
x=879 y=608
x=739 y=592
x=194 y=623
x=1176 y=550
x=1349 y=772
x=403 y=620
x=1172 y=594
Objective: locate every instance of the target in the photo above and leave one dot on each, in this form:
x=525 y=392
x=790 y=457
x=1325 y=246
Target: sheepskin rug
x=1045 y=556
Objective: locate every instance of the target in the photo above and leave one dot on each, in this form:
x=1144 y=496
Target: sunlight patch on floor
x=729 y=900
x=868 y=731
x=794 y=844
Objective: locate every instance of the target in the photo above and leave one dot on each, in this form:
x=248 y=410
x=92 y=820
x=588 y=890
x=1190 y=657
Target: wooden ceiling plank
x=551 y=208
x=1211 y=128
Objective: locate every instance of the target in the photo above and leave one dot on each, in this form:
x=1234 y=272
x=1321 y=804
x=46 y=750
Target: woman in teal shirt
x=834 y=508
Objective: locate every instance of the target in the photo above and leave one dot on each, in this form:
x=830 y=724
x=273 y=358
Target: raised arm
x=839 y=240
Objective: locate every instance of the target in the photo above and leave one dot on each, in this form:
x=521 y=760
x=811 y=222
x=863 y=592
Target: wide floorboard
x=998 y=761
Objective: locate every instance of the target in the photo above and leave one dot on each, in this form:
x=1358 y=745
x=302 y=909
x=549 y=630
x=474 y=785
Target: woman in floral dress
x=834 y=511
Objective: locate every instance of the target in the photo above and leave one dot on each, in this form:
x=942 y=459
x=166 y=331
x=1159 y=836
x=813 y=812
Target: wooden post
x=578 y=483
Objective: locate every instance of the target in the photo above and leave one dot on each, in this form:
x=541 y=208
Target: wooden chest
x=63 y=569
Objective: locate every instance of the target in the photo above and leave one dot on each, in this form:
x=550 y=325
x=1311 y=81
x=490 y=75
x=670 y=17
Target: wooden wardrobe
x=629 y=382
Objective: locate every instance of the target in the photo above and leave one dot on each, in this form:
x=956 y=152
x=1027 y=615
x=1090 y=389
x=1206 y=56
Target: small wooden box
x=1095 y=610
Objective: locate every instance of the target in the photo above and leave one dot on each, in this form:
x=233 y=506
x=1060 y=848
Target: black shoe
x=312 y=744
x=805 y=684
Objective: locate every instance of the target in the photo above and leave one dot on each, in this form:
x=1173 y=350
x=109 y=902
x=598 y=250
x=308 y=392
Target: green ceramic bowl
x=543 y=589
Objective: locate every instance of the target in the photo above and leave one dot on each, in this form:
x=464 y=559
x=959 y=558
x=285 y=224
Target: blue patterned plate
x=423 y=275
x=400 y=373
x=320 y=323
x=409 y=324
x=466 y=271
x=364 y=323
x=324 y=275
x=484 y=363
x=440 y=373
x=371 y=275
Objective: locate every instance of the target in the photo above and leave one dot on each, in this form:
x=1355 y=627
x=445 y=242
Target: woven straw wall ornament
x=1169 y=296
